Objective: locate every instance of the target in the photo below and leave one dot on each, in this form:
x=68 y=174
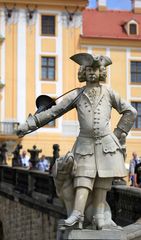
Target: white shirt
x=25 y=161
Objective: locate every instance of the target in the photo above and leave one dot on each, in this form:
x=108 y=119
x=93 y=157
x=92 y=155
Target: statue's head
x=88 y=62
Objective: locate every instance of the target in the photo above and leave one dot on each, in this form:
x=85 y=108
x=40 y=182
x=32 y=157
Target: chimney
x=136 y=6
x=101 y=5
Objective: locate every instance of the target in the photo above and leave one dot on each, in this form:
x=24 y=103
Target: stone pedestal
x=92 y=234
x=131 y=232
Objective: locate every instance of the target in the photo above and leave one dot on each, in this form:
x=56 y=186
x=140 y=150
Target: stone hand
x=30 y=124
x=123 y=142
x=123 y=138
x=22 y=129
x=120 y=135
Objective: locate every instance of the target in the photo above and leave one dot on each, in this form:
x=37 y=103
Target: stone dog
x=63 y=172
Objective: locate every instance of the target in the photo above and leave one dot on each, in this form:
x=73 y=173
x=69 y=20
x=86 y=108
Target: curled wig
x=82 y=74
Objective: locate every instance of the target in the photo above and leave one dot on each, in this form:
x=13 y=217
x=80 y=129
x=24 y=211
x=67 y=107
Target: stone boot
x=75 y=219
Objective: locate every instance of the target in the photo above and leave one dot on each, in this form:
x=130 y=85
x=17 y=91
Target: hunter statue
x=98 y=153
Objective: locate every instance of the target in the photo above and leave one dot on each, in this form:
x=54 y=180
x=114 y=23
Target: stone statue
x=98 y=154
x=34 y=156
x=16 y=160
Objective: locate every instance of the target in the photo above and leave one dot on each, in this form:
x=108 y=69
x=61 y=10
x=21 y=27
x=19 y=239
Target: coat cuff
x=127 y=120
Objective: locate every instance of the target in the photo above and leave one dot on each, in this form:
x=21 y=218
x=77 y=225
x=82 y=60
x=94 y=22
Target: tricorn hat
x=87 y=59
x=44 y=102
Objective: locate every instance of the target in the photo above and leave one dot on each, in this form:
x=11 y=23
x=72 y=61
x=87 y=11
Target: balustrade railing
x=39 y=187
x=26 y=181
x=8 y=128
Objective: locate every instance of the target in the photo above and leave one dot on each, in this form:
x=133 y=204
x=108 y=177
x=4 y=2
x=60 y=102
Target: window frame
x=134 y=72
x=127 y=27
x=48 y=34
x=130 y=30
x=47 y=79
x=134 y=104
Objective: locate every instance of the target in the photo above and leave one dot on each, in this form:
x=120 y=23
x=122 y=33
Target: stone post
x=3 y=155
x=56 y=150
x=16 y=160
x=34 y=156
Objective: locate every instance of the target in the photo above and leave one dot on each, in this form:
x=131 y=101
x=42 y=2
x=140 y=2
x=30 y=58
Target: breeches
x=90 y=183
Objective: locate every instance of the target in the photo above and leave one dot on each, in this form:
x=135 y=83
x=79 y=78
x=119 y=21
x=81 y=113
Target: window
x=133 y=28
x=48 y=68
x=135 y=72
x=48 y=25
x=137 y=106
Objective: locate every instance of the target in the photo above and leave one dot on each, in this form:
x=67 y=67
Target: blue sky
x=113 y=4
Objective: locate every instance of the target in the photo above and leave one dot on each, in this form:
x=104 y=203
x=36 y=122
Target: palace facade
x=37 y=39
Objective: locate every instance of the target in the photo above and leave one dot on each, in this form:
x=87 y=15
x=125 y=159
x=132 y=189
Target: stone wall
x=21 y=222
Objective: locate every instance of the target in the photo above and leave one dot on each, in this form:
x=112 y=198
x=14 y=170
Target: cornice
x=110 y=42
x=72 y=3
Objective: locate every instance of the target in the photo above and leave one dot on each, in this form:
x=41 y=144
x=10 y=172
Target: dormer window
x=133 y=28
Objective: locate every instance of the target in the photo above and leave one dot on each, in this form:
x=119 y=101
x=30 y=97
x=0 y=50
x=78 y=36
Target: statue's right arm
x=36 y=121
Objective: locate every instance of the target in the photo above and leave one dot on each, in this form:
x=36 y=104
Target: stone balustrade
x=34 y=191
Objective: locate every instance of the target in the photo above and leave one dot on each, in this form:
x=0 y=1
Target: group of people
x=135 y=171
x=42 y=165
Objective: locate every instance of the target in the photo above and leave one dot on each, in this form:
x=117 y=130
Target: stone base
x=131 y=232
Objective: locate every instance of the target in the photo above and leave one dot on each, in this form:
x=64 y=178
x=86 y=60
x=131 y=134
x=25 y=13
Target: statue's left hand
x=122 y=139
x=120 y=135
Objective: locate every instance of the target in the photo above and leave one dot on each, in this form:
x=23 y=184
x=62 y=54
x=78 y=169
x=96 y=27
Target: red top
x=109 y=24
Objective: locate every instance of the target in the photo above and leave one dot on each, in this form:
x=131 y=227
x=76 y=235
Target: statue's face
x=92 y=75
x=96 y=75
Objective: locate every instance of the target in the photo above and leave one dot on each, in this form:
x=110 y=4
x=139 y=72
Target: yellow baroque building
x=37 y=39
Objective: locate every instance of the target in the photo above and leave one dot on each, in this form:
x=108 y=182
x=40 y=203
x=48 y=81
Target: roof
x=109 y=24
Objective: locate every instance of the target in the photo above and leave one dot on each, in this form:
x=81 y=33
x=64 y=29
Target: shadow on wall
x=1 y=231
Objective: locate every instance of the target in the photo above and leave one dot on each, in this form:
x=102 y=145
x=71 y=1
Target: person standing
x=43 y=164
x=133 y=163
x=24 y=159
